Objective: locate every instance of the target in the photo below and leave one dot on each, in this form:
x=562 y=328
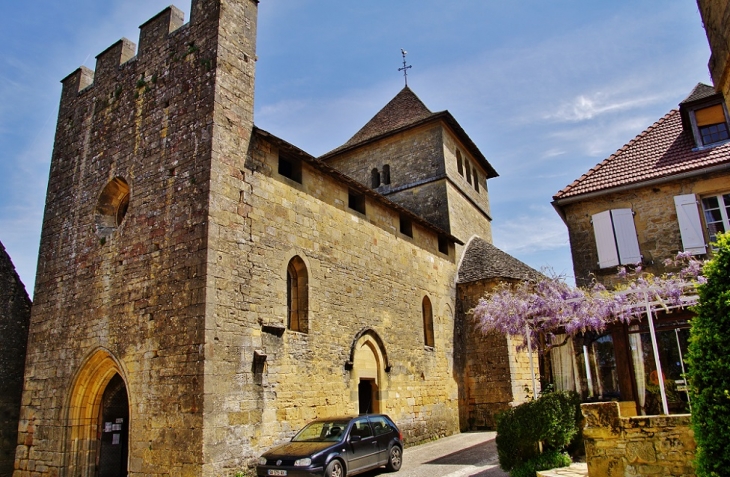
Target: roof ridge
x=593 y=170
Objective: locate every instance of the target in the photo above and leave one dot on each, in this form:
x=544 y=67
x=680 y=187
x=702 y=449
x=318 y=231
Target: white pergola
x=642 y=301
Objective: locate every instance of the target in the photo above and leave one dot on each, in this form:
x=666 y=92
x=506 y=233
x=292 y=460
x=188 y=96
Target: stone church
x=205 y=288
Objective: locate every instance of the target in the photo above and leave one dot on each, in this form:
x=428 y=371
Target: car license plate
x=277 y=472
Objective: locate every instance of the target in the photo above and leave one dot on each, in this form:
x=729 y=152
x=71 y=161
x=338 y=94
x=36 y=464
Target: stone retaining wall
x=636 y=446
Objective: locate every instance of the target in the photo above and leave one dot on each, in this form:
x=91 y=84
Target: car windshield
x=322 y=431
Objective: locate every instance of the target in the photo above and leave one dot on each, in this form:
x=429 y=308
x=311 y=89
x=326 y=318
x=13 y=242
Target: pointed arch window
x=297 y=293
x=459 y=162
x=427 y=322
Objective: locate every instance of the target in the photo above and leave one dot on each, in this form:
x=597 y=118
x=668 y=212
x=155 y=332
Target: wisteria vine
x=551 y=306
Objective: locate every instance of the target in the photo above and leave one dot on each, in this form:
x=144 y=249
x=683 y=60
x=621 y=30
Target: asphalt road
x=472 y=454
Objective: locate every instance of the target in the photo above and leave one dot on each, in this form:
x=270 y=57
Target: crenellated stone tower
x=143 y=193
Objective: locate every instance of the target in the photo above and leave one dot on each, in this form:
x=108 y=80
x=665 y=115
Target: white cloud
x=585 y=107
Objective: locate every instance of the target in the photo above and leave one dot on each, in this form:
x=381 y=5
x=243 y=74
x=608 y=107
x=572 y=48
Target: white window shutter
x=628 y=244
x=605 y=242
x=690 y=226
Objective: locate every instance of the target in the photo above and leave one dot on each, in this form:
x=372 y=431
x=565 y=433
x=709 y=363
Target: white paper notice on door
x=115 y=439
x=107 y=427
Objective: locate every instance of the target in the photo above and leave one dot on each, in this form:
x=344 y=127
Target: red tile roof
x=662 y=150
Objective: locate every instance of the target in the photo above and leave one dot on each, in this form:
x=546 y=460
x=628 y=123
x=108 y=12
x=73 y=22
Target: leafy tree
x=709 y=365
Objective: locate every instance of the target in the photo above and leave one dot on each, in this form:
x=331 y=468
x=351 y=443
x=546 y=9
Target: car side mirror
x=355 y=438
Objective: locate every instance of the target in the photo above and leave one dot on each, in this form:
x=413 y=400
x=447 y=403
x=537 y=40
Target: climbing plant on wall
x=540 y=309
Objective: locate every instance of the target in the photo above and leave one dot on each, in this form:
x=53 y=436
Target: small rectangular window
x=443 y=245
x=290 y=168
x=406 y=226
x=356 y=201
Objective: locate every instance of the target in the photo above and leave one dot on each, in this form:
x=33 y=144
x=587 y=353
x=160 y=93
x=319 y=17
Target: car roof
x=347 y=418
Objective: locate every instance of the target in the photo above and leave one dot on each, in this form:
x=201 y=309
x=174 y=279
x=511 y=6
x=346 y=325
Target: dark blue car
x=337 y=447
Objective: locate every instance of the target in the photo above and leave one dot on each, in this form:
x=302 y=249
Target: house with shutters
x=664 y=192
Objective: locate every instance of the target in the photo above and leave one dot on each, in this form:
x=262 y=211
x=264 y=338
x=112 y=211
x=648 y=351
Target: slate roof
x=701 y=91
x=663 y=150
x=404 y=111
x=482 y=260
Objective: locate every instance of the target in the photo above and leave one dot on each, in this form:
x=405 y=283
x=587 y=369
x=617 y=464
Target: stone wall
x=618 y=446
x=715 y=17
x=363 y=275
x=14 y=320
x=424 y=178
x=655 y=219
x=135 y=291
x=492 y=375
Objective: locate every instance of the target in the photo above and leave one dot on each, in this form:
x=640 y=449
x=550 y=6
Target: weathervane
x=405 y=68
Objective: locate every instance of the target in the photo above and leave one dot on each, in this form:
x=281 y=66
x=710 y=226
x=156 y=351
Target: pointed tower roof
x=403 y=110
x=701 y=91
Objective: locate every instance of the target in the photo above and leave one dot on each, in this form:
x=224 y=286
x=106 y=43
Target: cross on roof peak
x=405 y=67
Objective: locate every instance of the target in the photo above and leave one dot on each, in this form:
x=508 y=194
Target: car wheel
x=395 y=459
x=335 y=469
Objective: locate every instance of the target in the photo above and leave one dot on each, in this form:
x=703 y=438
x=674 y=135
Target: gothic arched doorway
x=114 y=427
x=98 y=418
x=369 y=365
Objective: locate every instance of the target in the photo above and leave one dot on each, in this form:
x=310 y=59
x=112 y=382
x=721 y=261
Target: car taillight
x=400 y=435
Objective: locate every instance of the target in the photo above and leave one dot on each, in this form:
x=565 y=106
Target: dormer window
x=712 y=124
x=709 y=125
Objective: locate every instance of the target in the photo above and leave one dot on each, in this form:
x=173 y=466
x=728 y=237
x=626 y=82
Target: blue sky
x=545 y=89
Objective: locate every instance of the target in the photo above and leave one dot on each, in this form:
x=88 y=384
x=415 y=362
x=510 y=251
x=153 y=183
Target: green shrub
x=553 y=419
x=551 y=459
x=709 y=365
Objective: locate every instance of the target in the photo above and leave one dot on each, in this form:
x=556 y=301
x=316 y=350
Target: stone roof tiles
x=701 y=91
x=482 y=260
x=406 y=110
x=403 y=110
x=663 y=150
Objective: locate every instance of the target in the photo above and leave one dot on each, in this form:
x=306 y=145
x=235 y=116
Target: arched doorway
x=369 y=367
x=114 y=425
x=98 y=417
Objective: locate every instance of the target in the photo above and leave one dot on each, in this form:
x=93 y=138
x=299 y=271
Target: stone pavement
x=471 y=454
x=579 y=469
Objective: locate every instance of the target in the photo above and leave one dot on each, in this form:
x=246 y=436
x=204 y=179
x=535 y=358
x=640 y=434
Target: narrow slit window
x=427 y=322
x=386 y=174
x=443 y=245
x=375 y=178
x=459 y=162
x=297 y=295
